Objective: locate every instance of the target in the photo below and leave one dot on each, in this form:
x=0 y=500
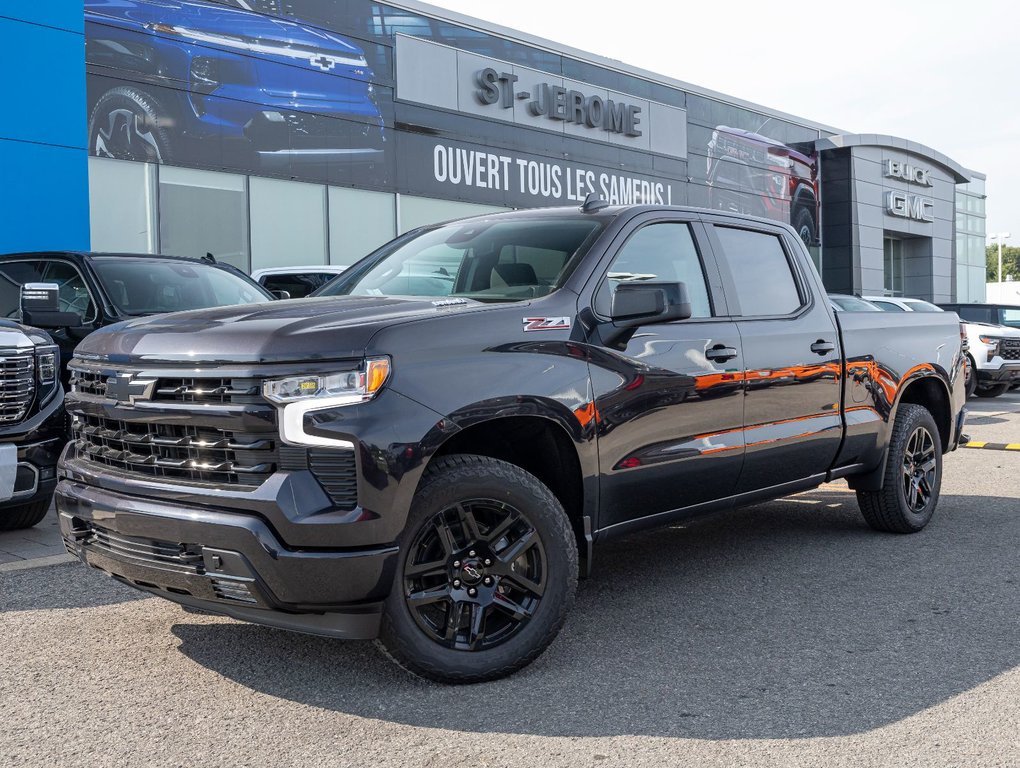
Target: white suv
x=994 y=354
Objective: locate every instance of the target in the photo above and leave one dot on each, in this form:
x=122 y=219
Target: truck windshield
x=484 y=259
x=152 y=286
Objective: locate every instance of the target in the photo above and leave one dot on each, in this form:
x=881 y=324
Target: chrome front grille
x=176 y=451
x=1010 y=350
x=88 y=382
x=17 y=386
x=216 y=391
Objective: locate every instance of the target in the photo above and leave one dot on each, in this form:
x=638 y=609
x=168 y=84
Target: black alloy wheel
x=920 y=469
x=475 y=575
x=912 y=475
x=486 y=573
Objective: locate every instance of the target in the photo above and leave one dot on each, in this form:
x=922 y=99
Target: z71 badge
x=546 y=324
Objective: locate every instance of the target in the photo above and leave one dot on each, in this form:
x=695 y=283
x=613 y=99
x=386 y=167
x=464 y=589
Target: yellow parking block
x=994 y=446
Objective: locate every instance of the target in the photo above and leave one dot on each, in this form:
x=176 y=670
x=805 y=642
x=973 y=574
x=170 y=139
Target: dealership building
x=286 y=132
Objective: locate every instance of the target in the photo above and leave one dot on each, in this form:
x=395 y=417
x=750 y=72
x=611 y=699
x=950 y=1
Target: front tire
x=913 y=475
x=992 y=391
x=486 y=574
x=971 y=385
x=22 y=516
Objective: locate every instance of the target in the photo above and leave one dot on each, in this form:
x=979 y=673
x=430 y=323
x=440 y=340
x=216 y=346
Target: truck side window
x=761 y=271
x=976 y=314
x=13 y=275
x=662 y=252
x=74 y=294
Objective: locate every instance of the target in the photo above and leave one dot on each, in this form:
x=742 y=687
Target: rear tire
x=971 y=385
x=993 y=391
x=24 y=515
x=486 y=574
x=913 y=475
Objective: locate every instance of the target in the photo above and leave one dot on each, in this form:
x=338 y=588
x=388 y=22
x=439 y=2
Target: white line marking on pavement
x=35 y=562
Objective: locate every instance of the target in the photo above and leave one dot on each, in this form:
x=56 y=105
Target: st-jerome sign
x=558 y=103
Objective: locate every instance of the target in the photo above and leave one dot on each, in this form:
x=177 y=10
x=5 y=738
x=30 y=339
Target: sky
x=945 y=74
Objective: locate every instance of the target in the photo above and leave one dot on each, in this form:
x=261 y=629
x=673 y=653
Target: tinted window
x=888 y=306
x=74 y=295
x=13 y=275
x=762 y=274
x=149 y=286
x=975 y=314
x=662 y=252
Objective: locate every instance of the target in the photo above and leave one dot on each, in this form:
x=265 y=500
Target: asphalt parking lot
x=787 y=634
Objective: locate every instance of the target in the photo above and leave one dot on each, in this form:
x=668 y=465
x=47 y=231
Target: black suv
x=32 y=430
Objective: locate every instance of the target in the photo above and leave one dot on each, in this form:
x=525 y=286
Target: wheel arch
x=929 y=389
x=543 y=443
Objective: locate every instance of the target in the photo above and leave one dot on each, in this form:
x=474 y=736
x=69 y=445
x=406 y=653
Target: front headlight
x=358 y=385
x=47 y=364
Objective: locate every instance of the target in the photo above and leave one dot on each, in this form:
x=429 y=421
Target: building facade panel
x=266 y=111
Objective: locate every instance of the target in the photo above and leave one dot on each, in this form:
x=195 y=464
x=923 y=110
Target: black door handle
x=721 y=353
x=822 y=347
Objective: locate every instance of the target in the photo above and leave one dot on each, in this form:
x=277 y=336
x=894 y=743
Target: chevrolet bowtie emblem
x=125 y=388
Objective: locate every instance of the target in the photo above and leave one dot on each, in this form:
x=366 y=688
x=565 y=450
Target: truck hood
x=305 y=330
x=15 y=336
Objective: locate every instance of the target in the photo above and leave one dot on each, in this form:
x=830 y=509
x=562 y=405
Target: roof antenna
x=593 y=203
x=209 y=259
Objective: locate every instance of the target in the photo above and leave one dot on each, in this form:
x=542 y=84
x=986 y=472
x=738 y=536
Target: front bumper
x=1007 y=372
x=225 y=562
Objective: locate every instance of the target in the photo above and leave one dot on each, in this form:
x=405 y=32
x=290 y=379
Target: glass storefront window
x=288 y=223
x=203 y=212
x=893 y=263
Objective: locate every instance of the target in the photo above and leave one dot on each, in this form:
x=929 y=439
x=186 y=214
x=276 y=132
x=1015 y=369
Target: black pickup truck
x=32 y=431
x=429 y=450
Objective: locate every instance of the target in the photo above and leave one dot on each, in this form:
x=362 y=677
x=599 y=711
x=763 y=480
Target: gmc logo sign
x=912 y=207
x=907 y=172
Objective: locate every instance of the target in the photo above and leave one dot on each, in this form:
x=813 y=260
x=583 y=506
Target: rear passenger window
x=664 y=253
x=761 y=271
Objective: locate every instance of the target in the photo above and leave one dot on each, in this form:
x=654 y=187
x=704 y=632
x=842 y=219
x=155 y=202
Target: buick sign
x=911 y=173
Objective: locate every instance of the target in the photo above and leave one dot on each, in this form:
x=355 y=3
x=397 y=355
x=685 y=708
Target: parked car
x=32 y=430
x=216 y=74
x=993 y=354
x=100 y=289
x=842 y=302
x=897 y=304
x=431 y=459
x=298 y=282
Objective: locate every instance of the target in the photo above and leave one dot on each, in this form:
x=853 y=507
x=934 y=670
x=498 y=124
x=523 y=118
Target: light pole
x=1001 y=237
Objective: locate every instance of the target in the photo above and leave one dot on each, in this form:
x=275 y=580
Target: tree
x=1010 y=262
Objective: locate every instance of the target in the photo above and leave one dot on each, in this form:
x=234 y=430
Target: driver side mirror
x=281 y=295
x=40 y=307
x=638 y=304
